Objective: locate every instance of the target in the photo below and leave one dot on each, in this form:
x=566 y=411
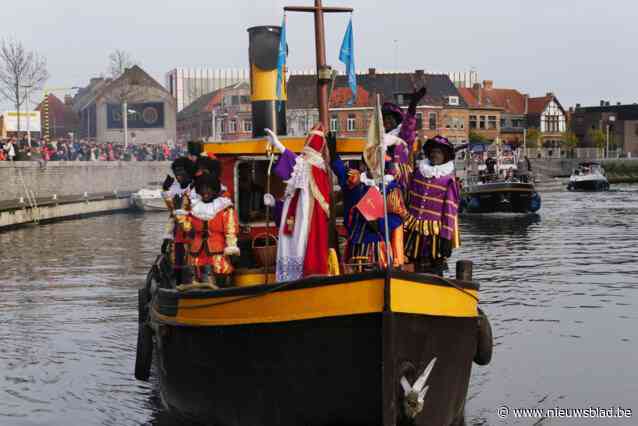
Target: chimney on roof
x=602 y=103
x=526 y=102
x=550 y=94
x=476 y=88
x=577 y=106
x=488 y=84
x=372 y=71
x=607 y=103
x=618 y=104
x=68 y=100
x=419 y=73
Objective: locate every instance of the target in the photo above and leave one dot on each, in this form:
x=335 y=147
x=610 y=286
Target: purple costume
x=432 y=204
x=406 y=131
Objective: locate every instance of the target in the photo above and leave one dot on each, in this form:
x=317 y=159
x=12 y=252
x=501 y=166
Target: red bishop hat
x=316 y=138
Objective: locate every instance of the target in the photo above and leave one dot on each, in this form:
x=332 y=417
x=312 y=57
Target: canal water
x=560 y=288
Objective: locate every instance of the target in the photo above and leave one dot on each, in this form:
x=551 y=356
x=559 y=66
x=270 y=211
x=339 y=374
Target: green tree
x=478 y=138
x=569 y=141
x=533 y=138
x=599 y=138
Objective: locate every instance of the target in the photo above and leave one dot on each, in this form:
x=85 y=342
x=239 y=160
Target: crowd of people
x=85 y=150
x=419 y=227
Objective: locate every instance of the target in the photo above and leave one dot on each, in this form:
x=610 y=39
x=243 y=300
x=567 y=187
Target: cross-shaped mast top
x=323 y=70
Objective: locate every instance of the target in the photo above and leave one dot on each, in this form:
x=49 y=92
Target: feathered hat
x=439 y=142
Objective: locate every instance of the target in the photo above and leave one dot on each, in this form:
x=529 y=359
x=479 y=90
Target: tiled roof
x=510 y=100
x=537 y=105
x=302 y=89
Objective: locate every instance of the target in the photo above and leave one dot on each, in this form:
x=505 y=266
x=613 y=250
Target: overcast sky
x=582 y=50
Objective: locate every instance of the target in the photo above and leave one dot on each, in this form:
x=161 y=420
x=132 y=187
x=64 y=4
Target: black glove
x=445 y=247
x=415 y=97
x=168 y=182
x=374 y=226
x=166 y=245
x=331 y=142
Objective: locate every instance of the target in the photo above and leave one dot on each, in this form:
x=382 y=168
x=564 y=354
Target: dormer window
x=453 y=100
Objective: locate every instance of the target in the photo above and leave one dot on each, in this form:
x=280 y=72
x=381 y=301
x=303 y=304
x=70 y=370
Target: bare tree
x=21 y=73
x=127 y=88
x=119 y=62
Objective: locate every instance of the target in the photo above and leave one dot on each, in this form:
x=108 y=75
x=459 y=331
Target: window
x=302 y=124
x=351 y=125
x=419 y=120
x=399 y=98
x=453 y=100
x=491 y=122
x=636 y=130
x=245 y=99
x=248 y=126
x=334 y=124
x=472 y=122
x=232 y=126
x=432 y=121
x=503 y=123
x=482 y=122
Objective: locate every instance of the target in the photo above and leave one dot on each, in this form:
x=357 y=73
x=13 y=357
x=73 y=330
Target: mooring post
x=464 y=270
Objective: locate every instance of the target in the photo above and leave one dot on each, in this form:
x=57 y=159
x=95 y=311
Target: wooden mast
x=324 y=76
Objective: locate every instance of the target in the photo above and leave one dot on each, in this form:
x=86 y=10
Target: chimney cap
x=372 y=71
x=488 y=84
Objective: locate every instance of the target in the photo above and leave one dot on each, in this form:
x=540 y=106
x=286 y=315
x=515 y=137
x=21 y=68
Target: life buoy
x=485 y=342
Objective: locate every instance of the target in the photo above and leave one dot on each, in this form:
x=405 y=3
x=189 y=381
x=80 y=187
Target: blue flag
x=281 y=58
x=346 y=55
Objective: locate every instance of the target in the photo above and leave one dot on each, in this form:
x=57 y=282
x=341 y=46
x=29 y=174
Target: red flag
x=371 y=204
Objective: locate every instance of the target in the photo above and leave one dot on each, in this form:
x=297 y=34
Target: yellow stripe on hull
x=334 y=300
x=410 y=297
x=295 y=144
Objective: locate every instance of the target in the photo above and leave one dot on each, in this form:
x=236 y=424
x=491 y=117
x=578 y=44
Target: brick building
x=62 y=118
x=621 y=120
x=442 y=111
x=229 y=108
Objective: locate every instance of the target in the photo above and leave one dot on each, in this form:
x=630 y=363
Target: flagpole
x=383 y=187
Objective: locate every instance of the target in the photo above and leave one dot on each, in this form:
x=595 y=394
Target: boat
x=588 y=176
x=500 y=187
x=364 y=347
x=148 y=200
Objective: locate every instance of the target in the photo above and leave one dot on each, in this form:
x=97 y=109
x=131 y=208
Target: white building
x=188 y=84
x=29 y=121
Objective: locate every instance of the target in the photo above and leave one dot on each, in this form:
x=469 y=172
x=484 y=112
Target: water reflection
x=559 y=287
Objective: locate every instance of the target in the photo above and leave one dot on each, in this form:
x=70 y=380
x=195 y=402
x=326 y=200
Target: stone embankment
x=32 y=192
x=622 y=170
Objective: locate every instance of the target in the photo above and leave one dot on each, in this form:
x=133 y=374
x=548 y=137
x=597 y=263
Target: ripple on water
x=559 y=288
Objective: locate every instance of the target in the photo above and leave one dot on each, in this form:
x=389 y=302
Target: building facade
x=547 y=115
x=151 y=110
x=187 y=85
x=442 y=111
x=224 y=114
x=620 y=122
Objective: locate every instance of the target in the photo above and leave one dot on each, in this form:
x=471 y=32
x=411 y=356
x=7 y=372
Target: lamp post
x=610 y=119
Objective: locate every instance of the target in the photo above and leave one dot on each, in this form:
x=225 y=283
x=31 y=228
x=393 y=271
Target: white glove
x=231 y=251
x=269 y=200
x=181 y=212
x=274 y=140
x=388 y=179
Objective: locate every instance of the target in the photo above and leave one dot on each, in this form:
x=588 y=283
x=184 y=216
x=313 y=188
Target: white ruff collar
x=207 y=211
x=429 y=171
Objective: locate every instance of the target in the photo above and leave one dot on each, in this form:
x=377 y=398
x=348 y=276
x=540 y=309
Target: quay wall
x=619 y=170
x=71 y=178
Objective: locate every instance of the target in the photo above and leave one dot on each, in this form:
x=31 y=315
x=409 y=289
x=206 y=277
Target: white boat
x=149 y=200
x=588 y=176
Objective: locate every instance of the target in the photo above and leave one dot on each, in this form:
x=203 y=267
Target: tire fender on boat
x=485 y=341
x=144 y=353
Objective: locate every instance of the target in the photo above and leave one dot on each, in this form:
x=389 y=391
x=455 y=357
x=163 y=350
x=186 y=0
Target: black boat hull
x=337 y=369
x=501 y=198
x=315 y=372
x=588 y=185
